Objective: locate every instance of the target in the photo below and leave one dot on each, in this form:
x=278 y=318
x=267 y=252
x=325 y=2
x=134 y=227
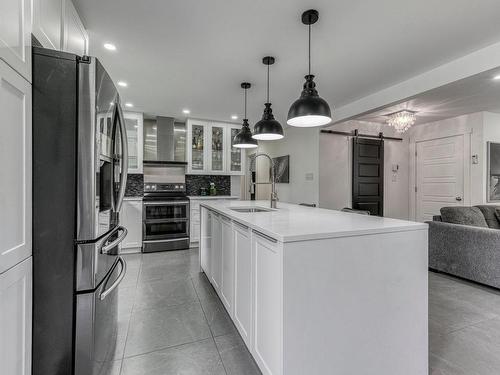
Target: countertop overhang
x=292 y=222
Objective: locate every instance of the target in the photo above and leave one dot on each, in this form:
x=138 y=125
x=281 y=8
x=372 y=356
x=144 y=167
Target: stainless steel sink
x=250 y=209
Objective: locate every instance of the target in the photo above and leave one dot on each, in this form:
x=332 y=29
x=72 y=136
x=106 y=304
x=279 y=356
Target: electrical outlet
x=475 y=159
x=309 y=176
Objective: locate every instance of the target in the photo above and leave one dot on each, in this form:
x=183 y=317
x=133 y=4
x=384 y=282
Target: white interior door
x=439 y=175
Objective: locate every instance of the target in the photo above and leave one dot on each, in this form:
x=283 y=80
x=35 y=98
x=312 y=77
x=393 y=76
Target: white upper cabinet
x=15 y=175
x=210 y=148
x=57 y=25
x=47 y=22
x=236 y=157
x=218 y=147
x=15 y=35
x=75 y=37
x=134 y=125
x=197 y=141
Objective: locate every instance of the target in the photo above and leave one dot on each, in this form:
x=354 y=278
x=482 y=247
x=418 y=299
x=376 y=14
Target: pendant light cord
x=268 y=83
x=245 y=103
x=309 y=49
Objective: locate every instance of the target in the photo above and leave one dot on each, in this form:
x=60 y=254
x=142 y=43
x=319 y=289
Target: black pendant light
x=244 y=137
x=310 y=109
x=268 y=128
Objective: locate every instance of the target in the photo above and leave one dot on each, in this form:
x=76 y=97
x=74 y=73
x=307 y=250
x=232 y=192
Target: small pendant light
x=310 y=109
x=243 y=139
x=268 y=128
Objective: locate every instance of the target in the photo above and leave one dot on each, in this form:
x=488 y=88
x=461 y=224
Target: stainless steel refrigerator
x=79 y=178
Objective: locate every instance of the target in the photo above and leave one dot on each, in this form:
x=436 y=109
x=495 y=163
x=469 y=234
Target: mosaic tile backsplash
x=135 y=185
x=195 y=182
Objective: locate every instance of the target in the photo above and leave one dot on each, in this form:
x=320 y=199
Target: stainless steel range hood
x=164 y=141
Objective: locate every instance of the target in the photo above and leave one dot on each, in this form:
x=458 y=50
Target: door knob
x=458 y=199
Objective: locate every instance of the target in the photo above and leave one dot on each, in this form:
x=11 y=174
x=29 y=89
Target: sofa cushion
x=497 y=214
x=490 y=215
x=464 y=216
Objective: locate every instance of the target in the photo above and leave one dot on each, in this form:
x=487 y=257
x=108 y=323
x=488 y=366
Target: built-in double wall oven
x=165 y=218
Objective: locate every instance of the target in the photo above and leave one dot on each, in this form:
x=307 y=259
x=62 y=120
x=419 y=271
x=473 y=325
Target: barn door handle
x=458 y=199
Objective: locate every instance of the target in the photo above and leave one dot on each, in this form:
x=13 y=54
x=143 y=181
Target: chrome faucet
x=272 y=181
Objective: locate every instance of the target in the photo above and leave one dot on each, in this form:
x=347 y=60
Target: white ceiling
x=193 y=54
x=477 y=93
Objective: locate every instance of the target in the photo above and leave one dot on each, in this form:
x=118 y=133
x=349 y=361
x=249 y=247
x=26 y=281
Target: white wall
x=471 y=126
x=302 y=146
x=335 y=169
x=491 y=133
x=478 y=128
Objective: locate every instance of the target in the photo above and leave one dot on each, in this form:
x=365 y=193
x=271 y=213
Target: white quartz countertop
x=291 y=222
x=212 y=197
x=138 y=198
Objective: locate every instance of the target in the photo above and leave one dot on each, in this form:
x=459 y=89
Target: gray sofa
x=465 y=242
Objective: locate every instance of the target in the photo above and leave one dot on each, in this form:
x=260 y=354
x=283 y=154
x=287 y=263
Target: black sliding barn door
x=368 y=175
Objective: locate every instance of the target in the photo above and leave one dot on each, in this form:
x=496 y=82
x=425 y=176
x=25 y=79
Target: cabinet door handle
x=226 y=219
x=240 y=225
x=265 y=236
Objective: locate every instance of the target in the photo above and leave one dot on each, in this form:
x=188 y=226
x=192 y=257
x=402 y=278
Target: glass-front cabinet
x=236 y=156
x=217 y=157
x=134 y=125
x=211 y=148
x=198 y=148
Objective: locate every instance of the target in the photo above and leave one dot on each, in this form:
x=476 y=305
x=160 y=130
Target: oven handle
x=118 y=280
x=169 y=220
x=108 y=246
x=170 y=203
x=167 y=240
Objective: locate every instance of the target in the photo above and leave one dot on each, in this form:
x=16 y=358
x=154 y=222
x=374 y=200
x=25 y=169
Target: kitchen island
x=315 y=291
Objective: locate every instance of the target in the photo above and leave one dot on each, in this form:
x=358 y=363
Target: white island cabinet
x=314 y=291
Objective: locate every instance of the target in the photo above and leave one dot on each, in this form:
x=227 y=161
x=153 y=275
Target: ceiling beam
x=463 y=67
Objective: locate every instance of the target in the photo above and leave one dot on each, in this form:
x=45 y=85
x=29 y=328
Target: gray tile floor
x=464 y=327
x=172 y=322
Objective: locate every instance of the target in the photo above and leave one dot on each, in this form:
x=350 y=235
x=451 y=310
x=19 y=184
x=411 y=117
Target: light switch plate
x=309 y=176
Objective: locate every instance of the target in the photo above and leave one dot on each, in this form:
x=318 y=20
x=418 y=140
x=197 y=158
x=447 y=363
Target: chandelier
x=401 y=120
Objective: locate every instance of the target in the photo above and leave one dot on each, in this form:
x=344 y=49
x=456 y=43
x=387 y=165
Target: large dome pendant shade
x=243 y=139
x=268 y=129
x=310 y=109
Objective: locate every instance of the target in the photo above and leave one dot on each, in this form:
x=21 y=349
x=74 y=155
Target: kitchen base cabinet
x=227 y=251
x=243 y=281
x=303 y=306
x=194 y=218
x=267 y=305
x=216 y=253
x=131 y=218
x=206 y=241
x=16 y=319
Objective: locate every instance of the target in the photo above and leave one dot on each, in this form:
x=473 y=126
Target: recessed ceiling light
x=186 y=111
x=234 y=117
x=497 y=78
x=122 y=83
x=129 y=105
x=110 y=46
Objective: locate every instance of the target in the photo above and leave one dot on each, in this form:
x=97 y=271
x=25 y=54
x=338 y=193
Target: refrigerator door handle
x=124 y=141
x=118 y=280
x=108 y=246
